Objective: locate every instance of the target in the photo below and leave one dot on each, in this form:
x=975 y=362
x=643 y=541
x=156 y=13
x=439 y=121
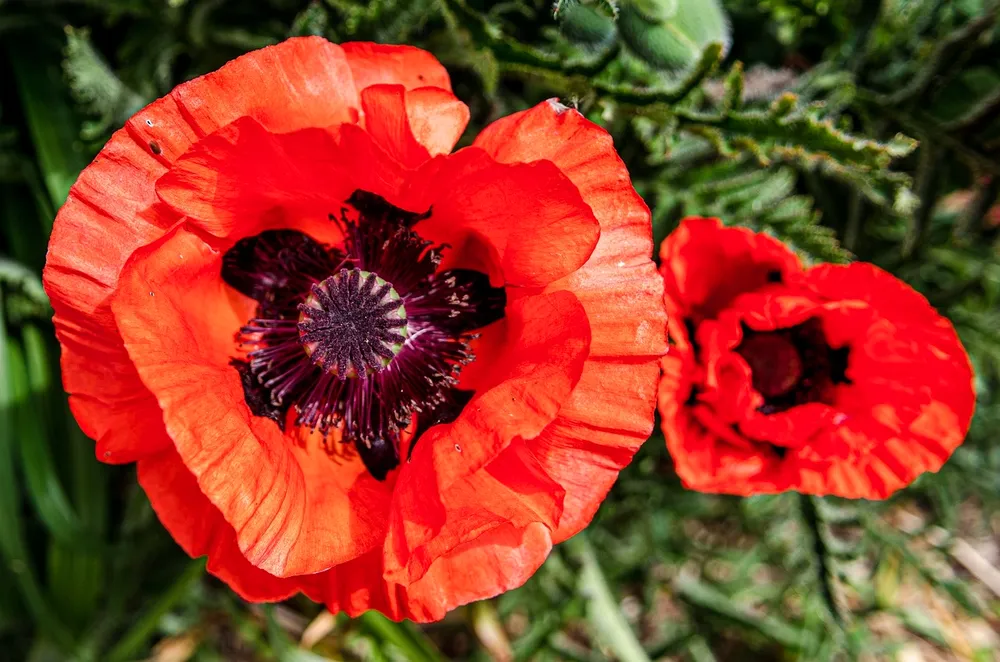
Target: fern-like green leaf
x=95 y=86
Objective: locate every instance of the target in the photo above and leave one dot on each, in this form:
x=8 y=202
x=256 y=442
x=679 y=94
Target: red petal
x=437 y=118
x=301 y=82
x=618 y=285
x=412 y=125
x=541 y=362
x=610 y=412
x=200 y=530
x=289 y=504
x=129 y=425
x=709 y=456
x=882 y=291
x=243 y=178
x=546 y=345
x=795 y=428
x=108 y=215
x=908 y=366
x=513 y=490
x=598 y=430
x=499 y=560
x=387 y=122
x=376 y=64
x=705 y=265
x=532 y=214
x=357 y=586
x=704 y=461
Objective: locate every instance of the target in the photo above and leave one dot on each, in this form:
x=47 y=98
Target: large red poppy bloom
x=267 y=283
x=836 y=380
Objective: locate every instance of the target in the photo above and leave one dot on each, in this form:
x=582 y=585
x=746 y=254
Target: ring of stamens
x=352 y=323
x=370 y=348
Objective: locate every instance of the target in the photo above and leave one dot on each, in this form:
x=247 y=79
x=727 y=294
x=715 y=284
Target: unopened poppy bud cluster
x=353 y=362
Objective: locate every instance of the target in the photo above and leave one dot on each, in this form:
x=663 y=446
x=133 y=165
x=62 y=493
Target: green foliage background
x=797 y=117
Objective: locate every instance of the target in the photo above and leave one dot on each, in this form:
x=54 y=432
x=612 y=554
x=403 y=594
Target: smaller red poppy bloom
x=347 y=360
x=838 y=380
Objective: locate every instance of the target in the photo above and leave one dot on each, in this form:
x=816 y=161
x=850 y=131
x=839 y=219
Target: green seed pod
x=655 y=11
x=586 y=24
x=671 y=34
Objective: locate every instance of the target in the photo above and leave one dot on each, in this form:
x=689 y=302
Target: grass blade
x=13 y=548
x=404 y=636
x=44 y=487
x=703 y=596
x=283 y=648
x=23 y=223
x=53 y=126
x=605 y=617
x=132 y=643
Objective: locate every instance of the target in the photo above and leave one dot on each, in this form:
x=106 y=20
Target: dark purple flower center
x=793 y=366
x=364 y=337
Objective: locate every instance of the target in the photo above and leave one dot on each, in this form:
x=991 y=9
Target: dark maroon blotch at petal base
x=257 y=397
x=793 y=366
x=363 y=338
x=276 y=266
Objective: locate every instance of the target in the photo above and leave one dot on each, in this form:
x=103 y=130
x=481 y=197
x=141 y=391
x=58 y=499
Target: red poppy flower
x=266 y=287
x=834 y=379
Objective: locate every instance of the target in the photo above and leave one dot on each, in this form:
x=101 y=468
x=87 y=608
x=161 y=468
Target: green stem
x=404 y=636
x=602 y=609
x=131 y=644
x=855 y=213
x=985 y=197
x=925 y=187
x=821 y=556
x=512 y=52
x=705 y=597
x=948 y=47
x=861 y=43
x=921 y=125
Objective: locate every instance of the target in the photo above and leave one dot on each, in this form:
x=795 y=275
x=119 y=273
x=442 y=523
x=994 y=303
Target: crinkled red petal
x=905 y=406
x=295 y=509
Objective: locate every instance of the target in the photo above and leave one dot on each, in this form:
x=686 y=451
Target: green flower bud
x=671 y=34
x=586 y=24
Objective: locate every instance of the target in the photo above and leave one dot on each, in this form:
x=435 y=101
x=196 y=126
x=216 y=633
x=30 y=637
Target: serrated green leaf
x=794 y=209
x=732 y=98
x=95 y=86
x=313 y=20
